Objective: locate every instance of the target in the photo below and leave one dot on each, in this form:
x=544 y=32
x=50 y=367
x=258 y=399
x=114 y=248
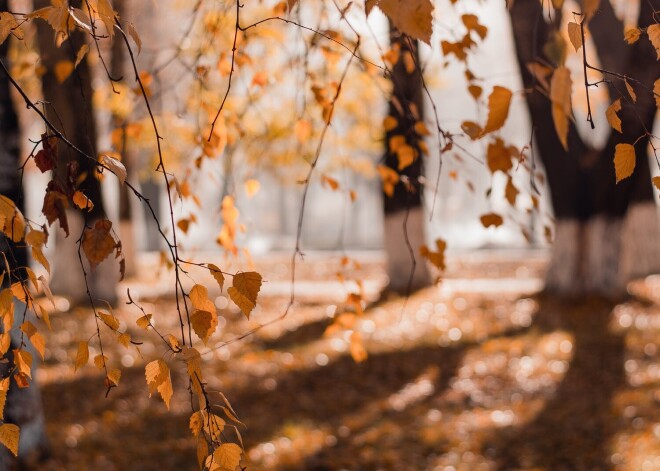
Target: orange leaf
x=244 y=291
x=498 y=109
x=624 y=161
x=97 y=242
x=612 y=116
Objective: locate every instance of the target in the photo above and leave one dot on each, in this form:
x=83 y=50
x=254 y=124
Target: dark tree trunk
x=23 y=406
x=404 y=217
x=606 y=233
x=69 y=108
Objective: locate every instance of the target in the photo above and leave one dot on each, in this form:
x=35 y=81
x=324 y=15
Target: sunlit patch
x=412 y=392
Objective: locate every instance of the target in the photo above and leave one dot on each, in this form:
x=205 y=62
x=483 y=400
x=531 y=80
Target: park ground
x=481 y=372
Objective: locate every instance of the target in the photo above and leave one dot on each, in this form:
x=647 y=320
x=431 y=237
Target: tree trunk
x=69 y=107
x=606 y=233
x=23 y=406
x=404 y=214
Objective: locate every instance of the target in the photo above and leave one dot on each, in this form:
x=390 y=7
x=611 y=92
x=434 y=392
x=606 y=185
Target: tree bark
x=606 y=233
x=69 y=108
x=404 y=214
x=23 y=406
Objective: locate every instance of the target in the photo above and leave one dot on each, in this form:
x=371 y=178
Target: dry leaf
x=204 y=323
x=82 y=357
x=624 y=161
x=225 y=458
x=575 y=35
x=9 y=434
x=114 y=165
x=654 y=35
x=63 y=70
x=216 y=273
x=97 y=242
x=82 y=201
x=631 y=91
x=632 y=35
x=158 y=379
x=244 y=291
x=612 y=116
x=411 y=17
x=560 y=95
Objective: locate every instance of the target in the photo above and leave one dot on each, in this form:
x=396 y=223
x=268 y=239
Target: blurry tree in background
x=607 y=227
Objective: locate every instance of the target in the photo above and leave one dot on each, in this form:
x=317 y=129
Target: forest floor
x=478 y=373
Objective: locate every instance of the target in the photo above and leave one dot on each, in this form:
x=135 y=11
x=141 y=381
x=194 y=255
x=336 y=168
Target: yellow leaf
x=193 y=361
x=9 y=434
x=38 y=341
x=173 y=342
x=124 y=339
x=252 y=187
x=4 y=389
x=612 y=116
x=82 y=201
x=97 y=242
x=158 y=379
x=112 y=378
x=107 y=15
x=196 y=422
x=225 y=458
x=23 y=362
x=491 y=219
x=12 y=223
x=62 y=70
x=412 y=17
x=632 y=35
x=560 y=95
x=624 y=161
x=631 y=91
x=498 y=109
x=100 y=361
x=216 y=273
x=244 y=291
x=204 y=323
x=390 y=178
x=654 y=35
x=82 y=357
x=406 y=155
x=575 y=35
x=109 y=320
x=144 y=322
x=199 y=296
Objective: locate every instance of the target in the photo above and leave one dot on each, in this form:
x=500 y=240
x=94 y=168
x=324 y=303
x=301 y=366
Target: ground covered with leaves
x=478 y=373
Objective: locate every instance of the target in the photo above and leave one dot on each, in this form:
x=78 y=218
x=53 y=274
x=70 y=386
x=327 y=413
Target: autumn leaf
x=82 y=201
x=575 y=35
x=114 y=165
x=252 y=187
x=100 y=361
x=491 y=219
x=498 y=109
x=4 y=389
x=411 y=17
x=37 y=340
x=159 y=380
x=624 y=161
x=612 y=116
x=390 y=123
x=356 y=348
x=97 y=242
x=109 y=320
x=216 y=273
x=390 y=178
x=654 y=35
x=204 y=323
x=46 y=158
x=225 y=458
x=82 y=52
x=560 y=96
x=656 y=182
x=144 y=322
x=196 y=423
x=472 y=129
x=82 y=357
x=12 y=222
x=330 y=182
x=8 y=24
x=136 y=37
x=23 y=362
x=244 y=291
x=107 y=15
x=9 y=434
x=55 y=205
x=199 y=296
x=112 y=378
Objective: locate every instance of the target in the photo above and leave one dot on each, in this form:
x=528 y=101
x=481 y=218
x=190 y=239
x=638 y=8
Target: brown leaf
x=575 y=35
x=632 y=35
x=498 y=157
x=97 y=242
x=204 y=323
x=54 y=208
x=158 y=379
x=656 y=182
x=244 y=291
x=225 y=458
x=82 y=357
x=624 y=161
x=216 y=273
x=560 y=95
x=631 y=91
x=472 y=129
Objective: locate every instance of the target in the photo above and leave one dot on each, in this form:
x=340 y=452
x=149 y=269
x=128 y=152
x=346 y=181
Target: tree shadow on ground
x=574 y=429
